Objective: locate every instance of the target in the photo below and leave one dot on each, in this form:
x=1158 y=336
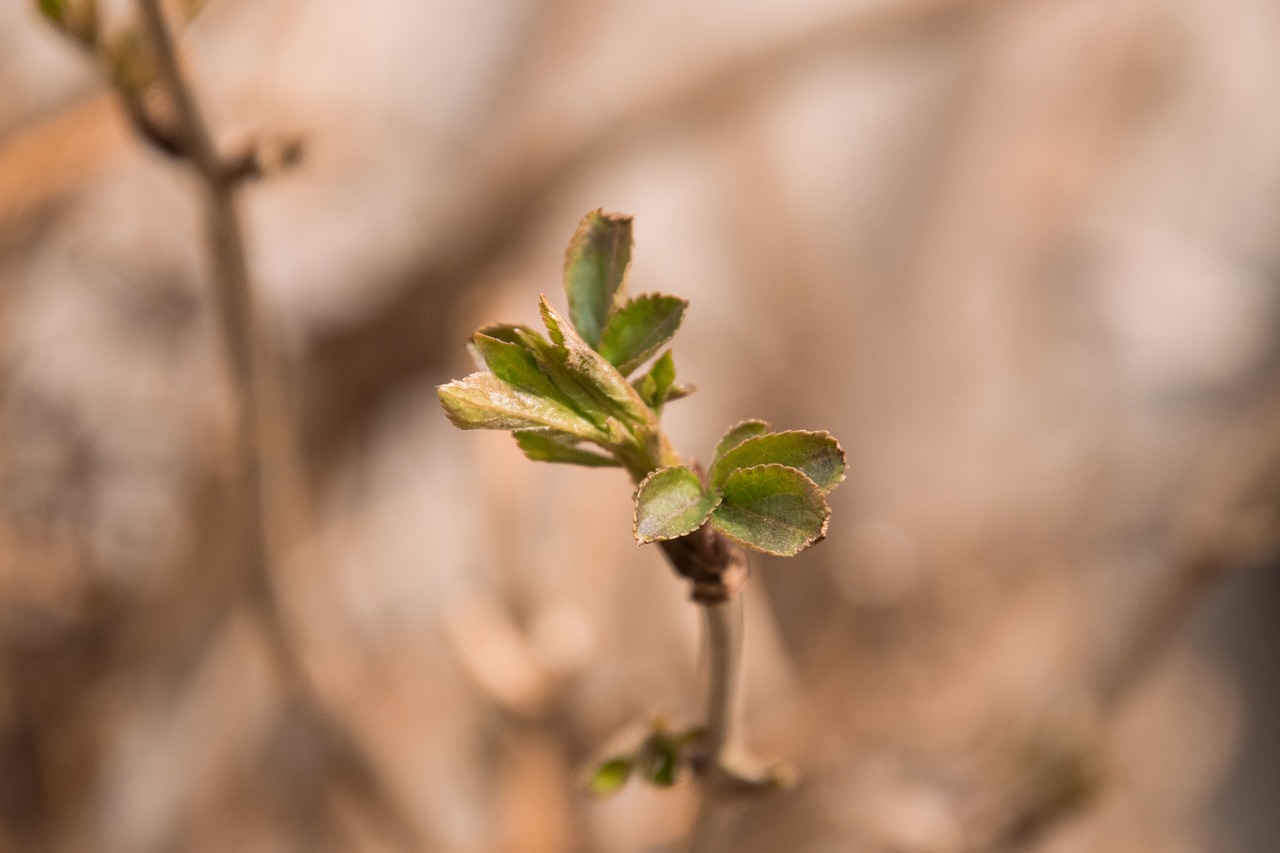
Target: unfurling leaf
x=551 y=359
x=737 y=434
x=514 y=364
x=656 y=385
x=512 y=333
x=596 y=374
x=817 y=454
x=771 y=508
x=638 y=329
x=483 y=401
x=545 y=447
x=595 y=270
x=679 y=391
x=671 y=502
x=610 y=775
x=659 y=760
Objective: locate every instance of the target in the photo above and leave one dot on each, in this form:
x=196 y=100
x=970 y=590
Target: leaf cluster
x=570 y=396
x=764 y=490
x=655 y=755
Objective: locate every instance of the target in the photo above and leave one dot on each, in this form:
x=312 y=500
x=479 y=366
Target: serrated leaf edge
x=630 y=366
x=844 y=472
x=635 y=515
x=716 y=454
x=821 y=534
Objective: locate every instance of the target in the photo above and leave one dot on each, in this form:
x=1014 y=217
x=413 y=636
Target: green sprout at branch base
x=577 y=394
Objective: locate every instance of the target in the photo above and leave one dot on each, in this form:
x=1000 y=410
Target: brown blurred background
x=1020 y=257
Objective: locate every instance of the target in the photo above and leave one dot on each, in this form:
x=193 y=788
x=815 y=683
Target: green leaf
x=551 y=361
x=610 y=775
x=512 y=333
x=679 y=391
x=771 y=508
x=659 y=760
x=483 y=401
x=593 y=371
x=671 y=502
x=655 y=386
x=595 y=270
x=551 y=447
x=54 y=10
x=817 y=454
x=737 y=434
x=514 y=364
x=638 y=329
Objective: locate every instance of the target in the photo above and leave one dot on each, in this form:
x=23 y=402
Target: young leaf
x=596 y=374
x=655 y=386
x=512 y=333
x=671 y=502
x=514 y=364
x=54 y=10
x=610 y=775
x=659 y=760
x=595 y=269
x=551 y=361
x=735 y=435
x=550 y=447
x=679 y=391
x=771 y=508
x=638 y=329
x=483 y=401
x=817 y=454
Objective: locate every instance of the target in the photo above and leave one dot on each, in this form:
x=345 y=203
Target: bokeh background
x=1022 y=258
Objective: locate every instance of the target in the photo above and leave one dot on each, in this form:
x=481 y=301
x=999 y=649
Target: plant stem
x=715 y=817
x=722 y=622
x=717 y=568
x=270 y=502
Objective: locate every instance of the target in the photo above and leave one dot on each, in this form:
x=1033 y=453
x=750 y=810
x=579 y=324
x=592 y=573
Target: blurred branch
x=272 y=503
x=263 y=442
x=1231 y=522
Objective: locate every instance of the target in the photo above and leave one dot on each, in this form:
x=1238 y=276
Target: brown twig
x=272 y=503
x=263 y=445
x=1232 y=521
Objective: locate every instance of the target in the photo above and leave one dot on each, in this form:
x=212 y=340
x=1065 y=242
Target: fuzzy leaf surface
x=737 y=434
x=671 y=502
x=817 y=454
x=551 y=361
x=595 y=271
x=514 y=364
x=593 y=371
x=512 y=333
x=483 y=401
x=639 y=329
x=550 y=447
x=679 y=391
x=771 y=508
